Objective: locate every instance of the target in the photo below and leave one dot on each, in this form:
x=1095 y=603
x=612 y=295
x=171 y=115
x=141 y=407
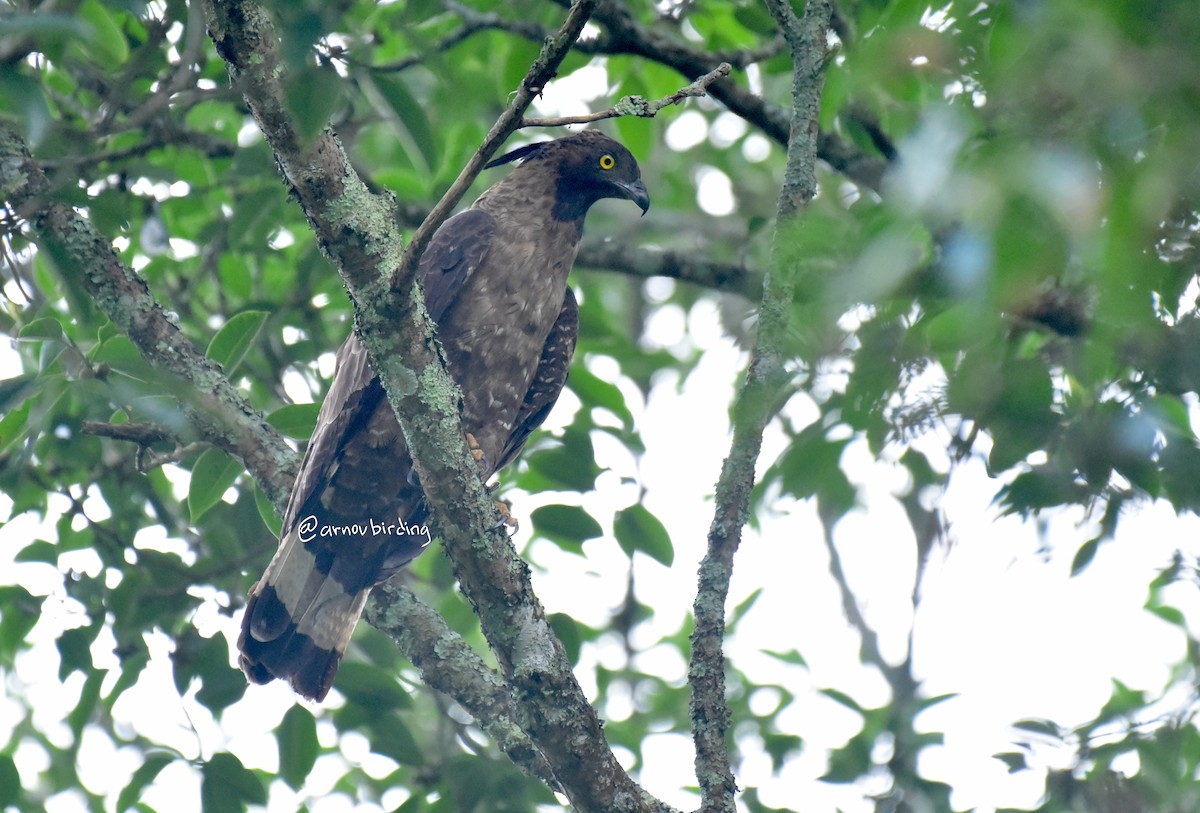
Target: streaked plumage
x=495 y=282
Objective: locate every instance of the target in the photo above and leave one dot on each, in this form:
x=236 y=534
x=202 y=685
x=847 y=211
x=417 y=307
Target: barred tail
x=298 y=621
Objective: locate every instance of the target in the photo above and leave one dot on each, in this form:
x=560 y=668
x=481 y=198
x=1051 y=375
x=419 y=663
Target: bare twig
x=636 y=105
x=756 y=403
x=473 y=23
x=145 y=435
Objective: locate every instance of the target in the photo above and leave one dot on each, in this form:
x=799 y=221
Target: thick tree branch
x=214 y=410
x=357 y=230
x=614 y=255
x=756 y=403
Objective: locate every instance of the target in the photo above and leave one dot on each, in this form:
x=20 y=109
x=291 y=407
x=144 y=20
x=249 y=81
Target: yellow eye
x=607 y=161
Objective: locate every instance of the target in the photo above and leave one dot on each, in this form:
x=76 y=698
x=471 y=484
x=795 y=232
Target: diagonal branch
x=448 y=664
x=213 y=408
x=756 y=403
x=357 y=230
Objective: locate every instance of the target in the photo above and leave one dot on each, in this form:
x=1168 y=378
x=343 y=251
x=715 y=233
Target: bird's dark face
x=597 y=167
x=586 y=167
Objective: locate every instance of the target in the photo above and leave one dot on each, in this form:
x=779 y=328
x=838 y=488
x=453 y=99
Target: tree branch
x=213 y=407
x=613 y=255
x=448 y=664
x=357 y=230
x=267 y=457
x=636 y=105
x=756 y=403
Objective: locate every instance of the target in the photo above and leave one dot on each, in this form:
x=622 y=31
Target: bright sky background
x=1000 y=623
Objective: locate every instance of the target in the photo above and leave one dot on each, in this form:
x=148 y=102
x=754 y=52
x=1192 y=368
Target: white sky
x=1000 y=623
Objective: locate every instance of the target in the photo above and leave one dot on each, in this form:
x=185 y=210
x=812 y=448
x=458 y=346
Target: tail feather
x=298 y=622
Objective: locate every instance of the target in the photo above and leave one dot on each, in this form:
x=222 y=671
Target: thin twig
x=143 y=434
x=637 y=105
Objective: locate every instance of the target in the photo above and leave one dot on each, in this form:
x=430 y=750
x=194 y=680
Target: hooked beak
x=636 y=192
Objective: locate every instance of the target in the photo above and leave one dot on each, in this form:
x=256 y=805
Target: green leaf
x=296 y=421
x=849 y=763
x=743 y=607
x=1013 y=760
x=39 y=550
x=392 y=738
x=1084 y=556
x=929 y=702
x=312 y=94
x=107 y=41
x=297 y=737
x=227 y=786
x=47 y=327
x=235 y=338
x=144 y=775
x=10 y=782
x=266 y=510
x=1172 y=615
x=371 y=688
x=74 y=650
x=637 y=529
x=845 y=699
x=213 y=473
x=567 y=630
x=567 y=526
x=21 y=612
x=86 y=707
x=793 y=657
x=594 y=391
x=411 y=121
x=570 y=465
x=122 y=355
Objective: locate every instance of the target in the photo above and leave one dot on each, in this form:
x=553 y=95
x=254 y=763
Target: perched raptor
x=495 y=282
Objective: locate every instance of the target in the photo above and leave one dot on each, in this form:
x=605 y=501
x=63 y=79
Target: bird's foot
x=476 y=452
x=505 y=510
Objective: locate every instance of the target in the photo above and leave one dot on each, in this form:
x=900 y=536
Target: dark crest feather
x=516 y=155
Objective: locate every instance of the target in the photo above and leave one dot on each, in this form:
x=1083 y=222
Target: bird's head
x=587 y=167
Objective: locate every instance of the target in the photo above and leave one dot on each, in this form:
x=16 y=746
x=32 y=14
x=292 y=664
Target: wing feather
x=457 y=249
x=548 y=381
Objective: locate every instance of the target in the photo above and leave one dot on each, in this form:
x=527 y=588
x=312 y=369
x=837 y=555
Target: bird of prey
x=495 y=283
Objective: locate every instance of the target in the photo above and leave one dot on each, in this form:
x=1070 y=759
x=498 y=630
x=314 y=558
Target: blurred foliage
x=1023 y=287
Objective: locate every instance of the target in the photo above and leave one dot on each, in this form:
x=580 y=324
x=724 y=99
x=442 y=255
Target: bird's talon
x=506 y=517
x=477 y=452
